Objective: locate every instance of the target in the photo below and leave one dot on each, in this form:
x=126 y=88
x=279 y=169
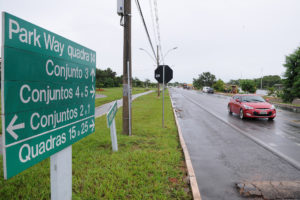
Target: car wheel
x=242 y=114
x=229 y=110
x=271 y=118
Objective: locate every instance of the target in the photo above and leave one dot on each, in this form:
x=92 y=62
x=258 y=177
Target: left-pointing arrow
x=11 y=127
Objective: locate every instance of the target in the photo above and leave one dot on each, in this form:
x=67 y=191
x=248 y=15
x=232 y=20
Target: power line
x=153 y=22
x=145 y=26
x=158 y=30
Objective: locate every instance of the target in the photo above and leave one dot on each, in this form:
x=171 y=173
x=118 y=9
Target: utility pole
x=157 y=61
x=127 y=80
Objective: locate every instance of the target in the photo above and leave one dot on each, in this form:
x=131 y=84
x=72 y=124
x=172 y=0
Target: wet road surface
x=222 y=156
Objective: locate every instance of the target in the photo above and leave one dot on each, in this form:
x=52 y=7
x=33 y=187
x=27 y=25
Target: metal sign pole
x=111 y=124
x=163 y=74
x=163 y=106
x=113 y=135
x=61 y=175
x=129 y=99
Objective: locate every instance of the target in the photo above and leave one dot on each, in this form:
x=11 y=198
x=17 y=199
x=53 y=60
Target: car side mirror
x=237 y=100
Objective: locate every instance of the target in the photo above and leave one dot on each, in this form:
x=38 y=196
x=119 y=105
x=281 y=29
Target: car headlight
x=273 y=107
x=248 y=107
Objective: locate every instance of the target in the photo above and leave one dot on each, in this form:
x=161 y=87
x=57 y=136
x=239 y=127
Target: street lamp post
x=157 y=62
x=174 y=48
x=148 y=54
x=261 y=79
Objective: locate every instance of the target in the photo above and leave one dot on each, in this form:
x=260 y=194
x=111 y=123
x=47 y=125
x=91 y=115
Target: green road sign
x=48 y=93
x=111 y=114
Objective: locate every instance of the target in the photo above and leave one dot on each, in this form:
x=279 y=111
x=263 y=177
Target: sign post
x=48 y=99
x=163 y=103
x=163 y=74
x=61 y=174
x=112 y=125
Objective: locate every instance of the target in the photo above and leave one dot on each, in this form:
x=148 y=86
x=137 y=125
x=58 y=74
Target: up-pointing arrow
x=92 y=125
x=11 y=127
x=93 y=92
x=92 y=74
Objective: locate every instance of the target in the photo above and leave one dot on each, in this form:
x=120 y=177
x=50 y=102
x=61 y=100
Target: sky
x=232 y=39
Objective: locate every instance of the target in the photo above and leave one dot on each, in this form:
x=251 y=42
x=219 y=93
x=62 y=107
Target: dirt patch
x=270 y=190
x=173 y=180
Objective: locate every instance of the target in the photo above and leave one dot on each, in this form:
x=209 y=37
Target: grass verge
x=148 y=165
x=113 y=94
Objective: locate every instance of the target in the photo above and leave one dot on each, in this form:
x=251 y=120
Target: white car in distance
x=205 y=89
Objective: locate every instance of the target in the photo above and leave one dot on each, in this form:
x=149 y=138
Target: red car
x=251 y=106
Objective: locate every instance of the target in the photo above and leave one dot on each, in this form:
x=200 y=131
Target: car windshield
x=252 y=99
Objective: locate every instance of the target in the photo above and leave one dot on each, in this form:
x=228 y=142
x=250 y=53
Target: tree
x=234 y=82
x=196 y=84
x=107 y=78
x=219 y=85
x=147 y=83
x=248 y=85
x=268 y=81
x=137 y=82
x=291 y=82
x=205 y=79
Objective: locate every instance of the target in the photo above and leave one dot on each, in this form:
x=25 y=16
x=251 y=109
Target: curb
x=292 y=108
x=188 y=161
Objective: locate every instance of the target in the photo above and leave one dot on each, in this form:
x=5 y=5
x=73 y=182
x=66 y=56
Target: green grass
x=113 y=94
x=148 y=165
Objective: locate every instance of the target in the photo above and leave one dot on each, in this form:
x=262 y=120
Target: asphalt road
x=226 y=150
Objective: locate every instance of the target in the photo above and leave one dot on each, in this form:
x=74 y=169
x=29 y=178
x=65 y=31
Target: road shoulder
x=190 y=169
